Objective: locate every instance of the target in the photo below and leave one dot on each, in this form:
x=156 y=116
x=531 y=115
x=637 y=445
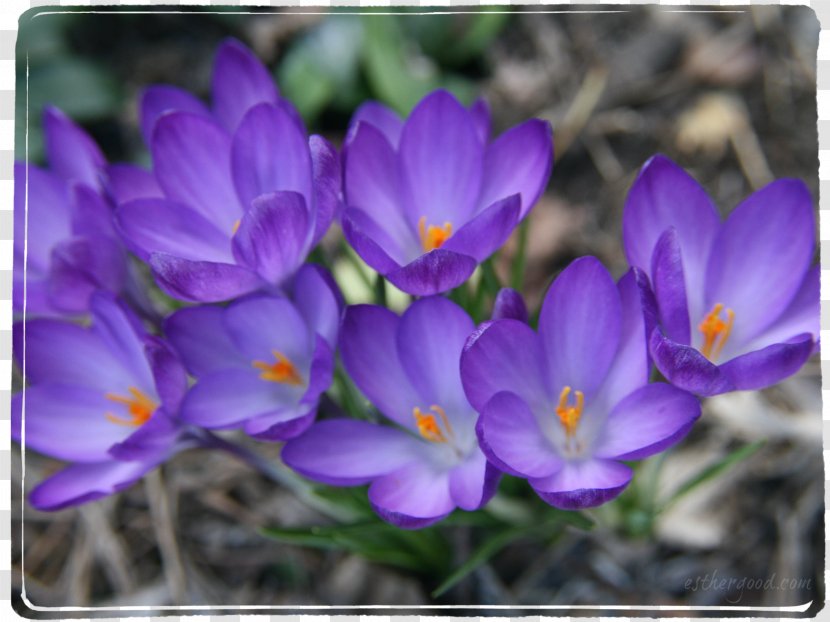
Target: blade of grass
x=713 y=470
x=517 y=272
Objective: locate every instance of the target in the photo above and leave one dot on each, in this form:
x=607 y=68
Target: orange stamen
x=282 y=371
x=428 y=425
x=715 y=331
x=235 y=227
x=139 y=407
x=433 y=237
x=569 y=415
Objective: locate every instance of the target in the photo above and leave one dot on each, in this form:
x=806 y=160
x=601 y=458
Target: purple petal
x=480 y=111
x=646 y=422
x=199 y=335
x=441 y=161
x=430 y=338
x=80 y=267
x=413 y=496
x=168 y=372
x=127 y=182
x=372 y=185
x=81 y=483
x=372 y=243
x=435 y=272
x=117 y=326
x=160 y=99
x=49 y=212
x=670 y=287
x=192 y=164
x=630 y=369
x=91 y=213
x=240 y=82
x=270 y=153
x=69 y=422
x=326 y=169
x=518 y=161
x=487 y=231
x=370 y=355
x=686 y=368
x=227 y=398
x=580 y=325
x=162 y=226
x=202 y=281
x=760 y=256
x=384 y=119
x=663 y=196
x=63 y=353
x=344 y=452
x=764 y=368
x=801 y=316
x=153 y=441
x=282 y=426
x=272 y=239
x=506 y=355
x=259 y=325
x=473 y=482
x=319 y=301
x=510 y=436
x=71 y=152
x=583 y=484
x=509 y=305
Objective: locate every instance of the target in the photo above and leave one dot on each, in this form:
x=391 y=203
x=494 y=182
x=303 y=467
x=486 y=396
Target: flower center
x=281 y=370
x=139 y=406
x=569 y=415
x=235 y=227
x=430 y=428
x=433 y=236
x=715 y=331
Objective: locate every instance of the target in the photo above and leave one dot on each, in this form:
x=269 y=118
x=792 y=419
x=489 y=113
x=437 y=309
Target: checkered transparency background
x=10 y=11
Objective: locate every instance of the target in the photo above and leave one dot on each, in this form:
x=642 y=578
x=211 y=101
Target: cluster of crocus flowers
x=239 y=196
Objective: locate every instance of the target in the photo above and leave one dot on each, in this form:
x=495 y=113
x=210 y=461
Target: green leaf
x=420 y=551
x=517 y=272
x=84 y=90
x=492 y=545
x=323 y=65
x=714 y=470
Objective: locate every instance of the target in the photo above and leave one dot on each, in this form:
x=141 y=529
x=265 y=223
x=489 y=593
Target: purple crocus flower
x=103 y=398
x=564 y=406
x=262 y=362
x=427 y=464
x=738 y=301
x=428 y=199
x=65 y=247
x=239 y=196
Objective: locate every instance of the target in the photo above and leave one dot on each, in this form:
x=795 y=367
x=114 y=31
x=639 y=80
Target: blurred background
x=730 y=96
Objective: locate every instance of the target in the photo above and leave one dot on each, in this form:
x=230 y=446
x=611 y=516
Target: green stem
x=517 y=273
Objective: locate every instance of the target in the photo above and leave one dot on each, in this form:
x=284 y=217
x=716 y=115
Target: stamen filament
x=433 y=237
x=715 y=331
x=428 y=426
x=140 y=407
x=569 y=415
x=281 y=371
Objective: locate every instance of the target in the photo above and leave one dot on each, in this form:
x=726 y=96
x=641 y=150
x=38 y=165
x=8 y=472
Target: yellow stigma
x=433 y=237
x=282 y=370
x=569 y=415
x=715 y=331
x=235 y=227
x=429 y=427
x=139 y=408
